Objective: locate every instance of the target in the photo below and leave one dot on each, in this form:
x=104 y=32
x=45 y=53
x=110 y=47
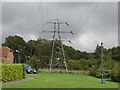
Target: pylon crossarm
x=58 y=31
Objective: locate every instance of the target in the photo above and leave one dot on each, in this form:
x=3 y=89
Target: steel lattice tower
x=58 y=60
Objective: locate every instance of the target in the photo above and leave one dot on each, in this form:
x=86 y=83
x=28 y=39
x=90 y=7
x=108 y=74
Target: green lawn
x=60 y=80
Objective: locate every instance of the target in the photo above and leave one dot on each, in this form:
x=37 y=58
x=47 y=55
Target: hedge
x=12 y=72
x=0 y=72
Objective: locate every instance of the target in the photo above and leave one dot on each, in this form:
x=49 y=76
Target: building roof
x=4 y=50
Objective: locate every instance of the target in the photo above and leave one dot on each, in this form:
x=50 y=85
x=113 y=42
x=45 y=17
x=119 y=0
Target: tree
x=16 y=43
x=34 y=62
x=115 y=76
x=30 y=47
x=116 y=53
x=44 y=52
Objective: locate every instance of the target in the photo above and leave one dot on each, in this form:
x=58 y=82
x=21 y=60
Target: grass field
x=60 y=80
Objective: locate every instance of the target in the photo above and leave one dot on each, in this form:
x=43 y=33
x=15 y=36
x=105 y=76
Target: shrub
x=115 y=74
x=92 y=70
x=0 y=72
x=12 y=72
x=81 y=64
x=97 y=72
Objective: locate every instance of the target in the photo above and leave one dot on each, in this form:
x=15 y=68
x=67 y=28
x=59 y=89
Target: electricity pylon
x=58 y=60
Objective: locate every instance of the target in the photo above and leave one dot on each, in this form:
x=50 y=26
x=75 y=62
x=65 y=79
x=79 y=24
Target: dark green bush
x=97 y=72
x=115 y=74
x=92 y=70
x=12 y=72
x=81 y=64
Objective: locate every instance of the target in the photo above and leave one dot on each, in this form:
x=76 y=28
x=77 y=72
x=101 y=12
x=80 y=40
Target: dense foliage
x=37 y=53
x=115 y=74
x=12 y=72
x=82 y=64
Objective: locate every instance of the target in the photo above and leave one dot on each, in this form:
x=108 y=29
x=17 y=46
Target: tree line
x=37 y=53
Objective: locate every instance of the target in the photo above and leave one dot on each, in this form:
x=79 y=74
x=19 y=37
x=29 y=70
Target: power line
x=32 y=27
x=41 y=11
x=80 y=18
x=90 y=14
x=86 y=10
x=47 y=10
x=58 y=10
x=71 y=11
x=88 y=17
x=38 y=7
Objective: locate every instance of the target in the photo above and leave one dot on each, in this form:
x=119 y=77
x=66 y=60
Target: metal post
x=102 y=63
x=15 y=57
x=18 y=55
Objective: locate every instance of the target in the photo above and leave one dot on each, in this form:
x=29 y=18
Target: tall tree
x=16 y=43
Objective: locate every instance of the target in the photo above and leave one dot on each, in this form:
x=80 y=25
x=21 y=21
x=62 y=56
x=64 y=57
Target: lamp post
x=18 y=55
x=102 y=64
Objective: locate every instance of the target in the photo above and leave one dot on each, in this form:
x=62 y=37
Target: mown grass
x=62 y=80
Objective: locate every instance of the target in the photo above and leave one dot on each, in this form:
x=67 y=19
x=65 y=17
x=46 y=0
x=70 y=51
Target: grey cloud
x=24 y=19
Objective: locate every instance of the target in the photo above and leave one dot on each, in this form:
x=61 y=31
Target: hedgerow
x=12 y=72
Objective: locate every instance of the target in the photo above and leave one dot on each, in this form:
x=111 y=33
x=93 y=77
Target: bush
x=81 y=64
x=97 y=72
x=12 y=72
x=0 y=72
x=115 y=76
x=92 y=70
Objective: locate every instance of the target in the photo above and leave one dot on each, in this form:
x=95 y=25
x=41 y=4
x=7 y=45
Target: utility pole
x=102 y=63
x=58 y=60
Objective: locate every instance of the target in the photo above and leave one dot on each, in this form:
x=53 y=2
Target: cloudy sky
x=91 y=22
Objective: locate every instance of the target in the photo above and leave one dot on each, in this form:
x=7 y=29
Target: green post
x=102 y=63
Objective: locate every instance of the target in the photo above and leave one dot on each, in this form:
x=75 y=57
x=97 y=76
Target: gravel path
x=22 y=80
